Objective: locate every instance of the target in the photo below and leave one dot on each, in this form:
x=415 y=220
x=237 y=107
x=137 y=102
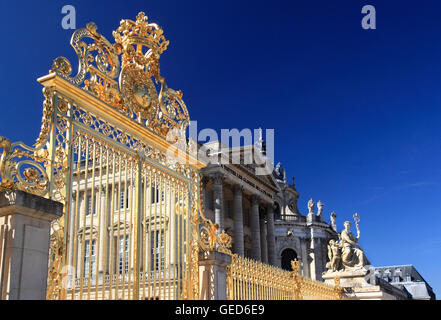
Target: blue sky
x=356 y=112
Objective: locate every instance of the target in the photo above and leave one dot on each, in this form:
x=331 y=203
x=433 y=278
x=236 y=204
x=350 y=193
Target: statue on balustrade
x=278 y=172
x=311 y=205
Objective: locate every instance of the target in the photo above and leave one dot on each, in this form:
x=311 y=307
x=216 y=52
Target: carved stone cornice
x=247 y=180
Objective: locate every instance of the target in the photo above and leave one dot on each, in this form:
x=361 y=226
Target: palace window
x=123 y=254
x=124 y=199
x=157 y=257
x=89 y=258
x=91 y=208
x=155 y=195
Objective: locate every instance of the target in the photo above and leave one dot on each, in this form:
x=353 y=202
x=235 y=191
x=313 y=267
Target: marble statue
x=278 y=172
x=333 y=217
x=261 y=144
x=334 y=255
x=352 y=254
x=311 y=205
x=320 y=206
x=346 y=254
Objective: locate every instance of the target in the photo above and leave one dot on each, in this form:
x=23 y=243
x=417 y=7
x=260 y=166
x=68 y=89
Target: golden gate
x=112 y=148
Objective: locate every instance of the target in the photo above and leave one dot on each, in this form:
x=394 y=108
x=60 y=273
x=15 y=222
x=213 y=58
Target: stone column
x=25 y=225
x=255 y=229
x=321 y=263
x=218 y=178
x=213 y=275
x=271 y=237
x=263 y=240
x=314 y=266
x=205 y=181
x=239 y=246
x=305 y=257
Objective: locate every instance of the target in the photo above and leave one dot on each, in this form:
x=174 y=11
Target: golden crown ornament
x=126 y=74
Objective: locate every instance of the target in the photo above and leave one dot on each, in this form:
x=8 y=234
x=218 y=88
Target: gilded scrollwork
x=46 y=121
x=106 y=59
x=24 y=174
x=57 y=250
x=134 y=59
x=93 y=122
x=6 y=165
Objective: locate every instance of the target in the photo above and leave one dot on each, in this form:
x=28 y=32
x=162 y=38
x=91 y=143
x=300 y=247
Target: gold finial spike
x=295 y=265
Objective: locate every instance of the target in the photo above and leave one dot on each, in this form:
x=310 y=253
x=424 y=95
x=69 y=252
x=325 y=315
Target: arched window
x=287 y=256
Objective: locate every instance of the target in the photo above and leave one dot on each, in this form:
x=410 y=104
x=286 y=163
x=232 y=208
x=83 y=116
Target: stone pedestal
x=348 y=279
x=213 y=275
x=361 y=285
x=25 y=222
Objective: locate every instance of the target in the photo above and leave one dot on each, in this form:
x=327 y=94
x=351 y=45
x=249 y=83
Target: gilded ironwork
x=307 y=289
x=252 y=280
x=139 y=45
x=27 y=174
x=130 y=228
x=248 y=279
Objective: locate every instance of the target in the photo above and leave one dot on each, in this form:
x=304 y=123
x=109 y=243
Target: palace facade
x=260 y=212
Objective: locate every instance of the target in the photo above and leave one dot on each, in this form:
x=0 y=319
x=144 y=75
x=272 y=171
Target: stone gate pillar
x=213 y=275
x=25 y=221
